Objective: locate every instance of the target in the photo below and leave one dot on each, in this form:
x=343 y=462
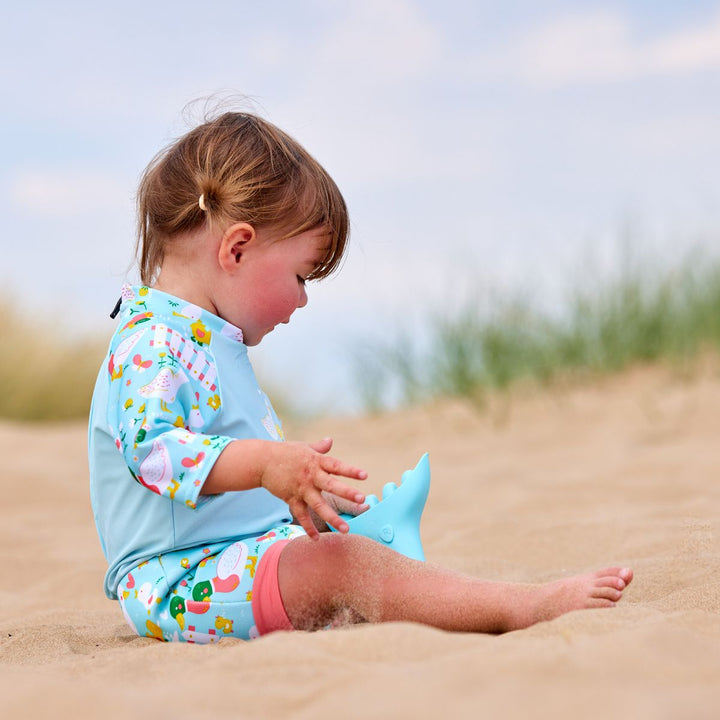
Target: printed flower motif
x=174 y=487
x=214 y=402
x=140 y=364
x=115 y=371
x=200 y=333
x=189 y=462
x=137 y=319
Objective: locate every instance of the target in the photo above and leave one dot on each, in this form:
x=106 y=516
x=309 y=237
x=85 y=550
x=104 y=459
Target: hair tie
x=201 y=202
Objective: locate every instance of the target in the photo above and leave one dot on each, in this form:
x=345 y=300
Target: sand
x=541 y=485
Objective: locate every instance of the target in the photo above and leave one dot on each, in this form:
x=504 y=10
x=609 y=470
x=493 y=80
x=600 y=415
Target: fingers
x=333 y=469
x=326 y=513
x=307 y=472
x=315 y=509
x=341 y=505
x=333 y=466
x=342 y=491
x=302 y=515
x=322 y=446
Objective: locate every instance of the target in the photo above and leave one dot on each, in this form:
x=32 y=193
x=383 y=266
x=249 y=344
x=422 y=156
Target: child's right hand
x=298 y=473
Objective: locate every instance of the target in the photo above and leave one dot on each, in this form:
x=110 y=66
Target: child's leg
x=351 y=576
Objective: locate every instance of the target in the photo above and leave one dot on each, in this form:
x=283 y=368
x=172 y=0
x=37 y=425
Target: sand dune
x=539 y=486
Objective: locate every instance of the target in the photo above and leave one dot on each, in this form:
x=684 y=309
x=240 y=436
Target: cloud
x=598 y=47
x=690 y=51
x=66 y=192
x=383 y=43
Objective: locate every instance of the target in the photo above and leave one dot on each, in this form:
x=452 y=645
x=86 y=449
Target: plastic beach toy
x=395 y=520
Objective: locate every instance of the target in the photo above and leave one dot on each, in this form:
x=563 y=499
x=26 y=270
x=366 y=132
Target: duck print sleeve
x=164 y=390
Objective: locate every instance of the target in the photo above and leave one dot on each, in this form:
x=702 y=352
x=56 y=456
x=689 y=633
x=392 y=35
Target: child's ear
x=235 y=241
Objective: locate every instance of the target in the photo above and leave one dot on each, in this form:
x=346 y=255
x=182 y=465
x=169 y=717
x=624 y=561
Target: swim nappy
x=203 y=594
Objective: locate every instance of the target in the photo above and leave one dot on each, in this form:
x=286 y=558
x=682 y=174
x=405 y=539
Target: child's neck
x=187 y=270
x=181 y=281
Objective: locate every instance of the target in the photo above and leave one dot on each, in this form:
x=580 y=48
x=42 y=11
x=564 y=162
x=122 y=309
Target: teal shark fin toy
x=395 y=520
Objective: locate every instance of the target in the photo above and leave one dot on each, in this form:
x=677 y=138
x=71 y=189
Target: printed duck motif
x=156 y=470
x=165 y=386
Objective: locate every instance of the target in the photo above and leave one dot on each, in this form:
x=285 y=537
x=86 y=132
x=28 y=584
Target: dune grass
x=643 y=314
x=44 y=374
x=49 y=375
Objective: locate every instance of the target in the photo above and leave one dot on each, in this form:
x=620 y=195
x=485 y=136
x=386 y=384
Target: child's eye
x=301 y=280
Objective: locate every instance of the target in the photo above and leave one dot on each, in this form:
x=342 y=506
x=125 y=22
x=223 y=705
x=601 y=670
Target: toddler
x=211 y=523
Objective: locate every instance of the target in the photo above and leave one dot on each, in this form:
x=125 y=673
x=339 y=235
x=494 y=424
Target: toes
x=611 y=581
x=626 y=574
x=606 y=592
x=594 y=603
x=609 y=572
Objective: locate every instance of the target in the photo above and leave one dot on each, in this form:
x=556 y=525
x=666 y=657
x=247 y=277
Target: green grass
x=44 y=374
x=642 y=314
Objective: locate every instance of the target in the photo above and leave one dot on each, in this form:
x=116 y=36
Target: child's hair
x=237 y=168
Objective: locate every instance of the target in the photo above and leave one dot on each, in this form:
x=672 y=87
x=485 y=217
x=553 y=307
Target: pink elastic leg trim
x=267 y=605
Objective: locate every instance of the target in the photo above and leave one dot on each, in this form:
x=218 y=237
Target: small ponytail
x=237 y=167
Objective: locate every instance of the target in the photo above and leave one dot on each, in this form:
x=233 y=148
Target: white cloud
x=66 y=192
x=689 y=51
x=598 y=47
x=382 y=43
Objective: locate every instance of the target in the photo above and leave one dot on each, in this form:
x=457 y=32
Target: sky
x=506 y=146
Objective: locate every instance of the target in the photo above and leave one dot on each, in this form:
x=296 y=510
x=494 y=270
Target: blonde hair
x=237 y=168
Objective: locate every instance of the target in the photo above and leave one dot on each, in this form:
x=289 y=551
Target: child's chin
x=253 y=341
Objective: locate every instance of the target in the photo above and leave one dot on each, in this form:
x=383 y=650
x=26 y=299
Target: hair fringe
x=245 y=169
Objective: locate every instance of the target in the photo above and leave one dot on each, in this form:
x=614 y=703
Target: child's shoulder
x=143 y=306
x=160 y=333
x=161 y=319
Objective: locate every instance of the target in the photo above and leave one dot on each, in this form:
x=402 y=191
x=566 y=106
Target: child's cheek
x=280 y=304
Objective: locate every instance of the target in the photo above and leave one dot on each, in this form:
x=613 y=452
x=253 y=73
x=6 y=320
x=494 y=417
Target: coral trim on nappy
x=267 y=605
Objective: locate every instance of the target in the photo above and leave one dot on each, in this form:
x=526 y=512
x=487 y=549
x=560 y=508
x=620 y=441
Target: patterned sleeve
x=163 y=389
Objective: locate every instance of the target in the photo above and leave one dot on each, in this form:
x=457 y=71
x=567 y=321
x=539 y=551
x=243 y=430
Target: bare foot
x=601 y=589
x=537 y=603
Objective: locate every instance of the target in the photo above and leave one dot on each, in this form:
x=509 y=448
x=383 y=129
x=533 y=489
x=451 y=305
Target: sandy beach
x=541 y=485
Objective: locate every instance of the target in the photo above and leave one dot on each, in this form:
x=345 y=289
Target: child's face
x=270 y=283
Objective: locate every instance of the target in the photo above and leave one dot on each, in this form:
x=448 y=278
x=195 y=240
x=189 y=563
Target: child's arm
x=293 y=471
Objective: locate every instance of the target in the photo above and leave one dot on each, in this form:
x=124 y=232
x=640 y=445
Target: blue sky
x=480 y=145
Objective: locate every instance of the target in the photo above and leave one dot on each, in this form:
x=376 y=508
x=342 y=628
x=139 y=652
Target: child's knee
x=329 y=549
x=325 y=563
x=318 y=577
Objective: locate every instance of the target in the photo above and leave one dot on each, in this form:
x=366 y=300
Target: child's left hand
x=340 y=505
